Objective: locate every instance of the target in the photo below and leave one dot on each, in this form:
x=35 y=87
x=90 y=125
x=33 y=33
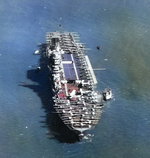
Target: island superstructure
x=73 y=81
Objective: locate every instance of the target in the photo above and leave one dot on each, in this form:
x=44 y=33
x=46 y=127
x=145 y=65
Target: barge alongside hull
x=73 y=82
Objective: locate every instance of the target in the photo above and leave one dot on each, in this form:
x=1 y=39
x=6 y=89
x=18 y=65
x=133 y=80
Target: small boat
x=98 y=47
x=38 y=69
x=107 y=94
x=36 y=52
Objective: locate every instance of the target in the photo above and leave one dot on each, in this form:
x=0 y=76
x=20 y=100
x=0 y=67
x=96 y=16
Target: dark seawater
x=121 y=28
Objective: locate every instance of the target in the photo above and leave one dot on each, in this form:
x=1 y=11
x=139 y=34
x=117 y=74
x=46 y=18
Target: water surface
x=121 y=28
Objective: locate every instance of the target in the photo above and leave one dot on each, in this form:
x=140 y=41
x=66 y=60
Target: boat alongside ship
x=73 y=81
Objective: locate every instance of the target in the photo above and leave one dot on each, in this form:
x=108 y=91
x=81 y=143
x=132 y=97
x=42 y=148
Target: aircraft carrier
x=73 y=81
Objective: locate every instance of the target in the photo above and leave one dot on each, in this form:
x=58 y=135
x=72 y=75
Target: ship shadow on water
x=43 y=88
